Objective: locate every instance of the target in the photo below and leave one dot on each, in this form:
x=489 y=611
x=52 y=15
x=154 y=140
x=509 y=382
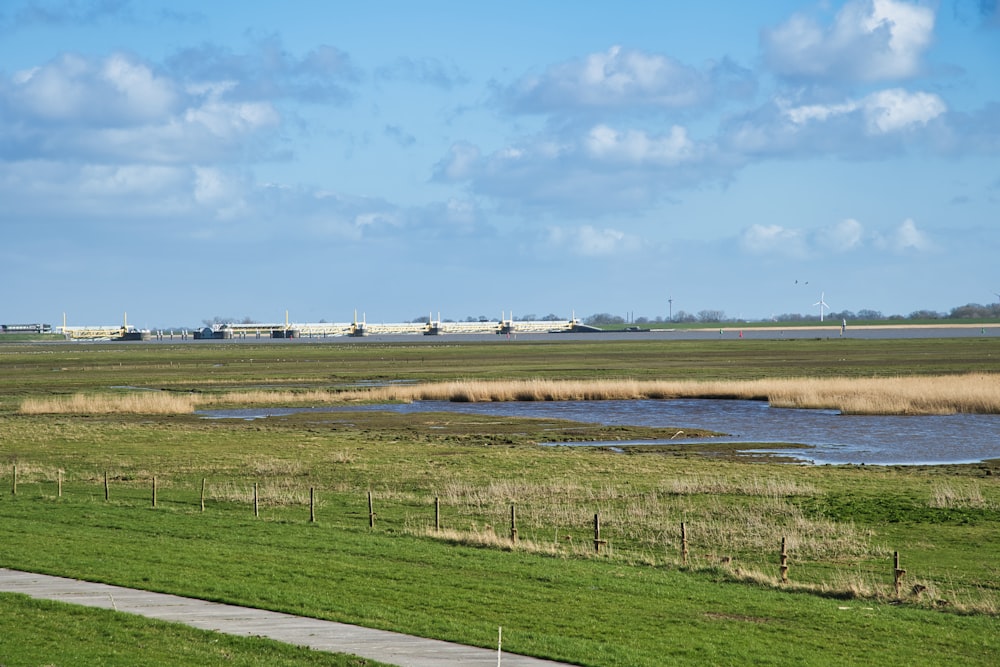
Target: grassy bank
x=33 y=370
x=636 y=600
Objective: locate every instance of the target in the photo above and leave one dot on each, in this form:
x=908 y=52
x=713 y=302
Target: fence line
x=598 y=540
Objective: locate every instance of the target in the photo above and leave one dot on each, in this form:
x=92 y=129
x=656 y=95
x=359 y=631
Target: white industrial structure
x=121 y=332
x=288 y=329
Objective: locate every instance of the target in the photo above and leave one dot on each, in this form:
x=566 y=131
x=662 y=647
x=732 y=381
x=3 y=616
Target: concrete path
x=388 y=647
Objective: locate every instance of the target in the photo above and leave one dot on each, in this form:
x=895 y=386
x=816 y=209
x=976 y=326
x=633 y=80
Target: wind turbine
x=822 y=304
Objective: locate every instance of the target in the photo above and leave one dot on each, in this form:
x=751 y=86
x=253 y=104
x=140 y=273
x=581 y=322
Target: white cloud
x=845 y=235
x=895 y=110
x=50 y=192
x=774 y=239
x=220 y=191
x=626 y=78
x=459 y=164
x=375 y=219
x=124 y=182
x=589 y=241
x=74 y=89
x=908 y=237
x=637 y=147
x=461 y=212
x=148 y=96
x=118 y=110
x=588 y=172
x=869 y=40
x=883 y=112
x=268 y=71
x=226 y=120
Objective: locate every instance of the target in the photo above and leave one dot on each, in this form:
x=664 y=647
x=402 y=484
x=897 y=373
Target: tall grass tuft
x=277 y=492
x=959 y=496
x=946 y=394
x=138 y=403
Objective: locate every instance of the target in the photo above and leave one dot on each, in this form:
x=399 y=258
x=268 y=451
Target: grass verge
x=40 y=632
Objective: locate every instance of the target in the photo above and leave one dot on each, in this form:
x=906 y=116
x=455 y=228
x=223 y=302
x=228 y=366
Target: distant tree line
x=966 y=312
x=708 y=316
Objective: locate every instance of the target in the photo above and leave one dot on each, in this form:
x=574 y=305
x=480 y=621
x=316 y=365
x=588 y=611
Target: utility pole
x=670 y=316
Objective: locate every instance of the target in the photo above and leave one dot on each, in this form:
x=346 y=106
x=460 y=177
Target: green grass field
x=38 y=632
x=636 y=602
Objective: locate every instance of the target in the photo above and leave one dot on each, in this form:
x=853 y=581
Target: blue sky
x=186 y=160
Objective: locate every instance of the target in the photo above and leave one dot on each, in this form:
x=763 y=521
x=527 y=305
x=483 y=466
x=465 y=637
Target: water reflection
x=832 y=437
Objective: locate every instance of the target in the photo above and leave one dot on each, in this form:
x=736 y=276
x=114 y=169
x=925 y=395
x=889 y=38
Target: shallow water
x=832 y=437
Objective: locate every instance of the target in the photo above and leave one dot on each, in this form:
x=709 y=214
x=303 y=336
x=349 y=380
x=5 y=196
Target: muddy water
x=832 y=437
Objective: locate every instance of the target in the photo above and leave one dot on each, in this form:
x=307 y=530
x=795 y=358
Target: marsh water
x=830 y=437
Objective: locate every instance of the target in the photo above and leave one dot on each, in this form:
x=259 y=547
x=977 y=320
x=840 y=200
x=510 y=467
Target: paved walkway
x=388 y=647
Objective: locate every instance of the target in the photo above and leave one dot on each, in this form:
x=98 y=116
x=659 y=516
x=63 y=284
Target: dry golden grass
x=947 y=394
x=549 y=516
x=145 y=402
x=970 y=393
x=275 y=493
x=742 y=485
x=863 y=587
x=953 y=495
x=272 y=397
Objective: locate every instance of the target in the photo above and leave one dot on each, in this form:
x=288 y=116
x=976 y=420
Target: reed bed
x=949 y=394
x=145 y=402
x=946 y=394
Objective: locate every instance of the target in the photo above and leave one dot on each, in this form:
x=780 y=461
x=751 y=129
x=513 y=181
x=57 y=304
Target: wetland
x=461 y=579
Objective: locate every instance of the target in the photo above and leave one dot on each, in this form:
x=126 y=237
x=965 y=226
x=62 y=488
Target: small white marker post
x=499 y=643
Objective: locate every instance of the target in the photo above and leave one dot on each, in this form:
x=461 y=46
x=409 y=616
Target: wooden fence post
x=597 y=534
x=513 y=524
x=371 y=511
x=107 y=490
x=684 y=544
x=898 y=574
x=784 y=562
x=256 y=505
x=202 y=494
x=13 y=484
x=154 y=490
x=59 y=482
x=437 y=514
x=312 y=505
